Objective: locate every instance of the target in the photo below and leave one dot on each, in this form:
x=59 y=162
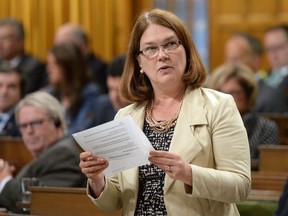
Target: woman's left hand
x=173 y=165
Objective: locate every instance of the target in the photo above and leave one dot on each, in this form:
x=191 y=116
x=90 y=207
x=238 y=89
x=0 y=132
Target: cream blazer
x=211 y=137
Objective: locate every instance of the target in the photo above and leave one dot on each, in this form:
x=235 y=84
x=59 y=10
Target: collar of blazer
x=184 y=141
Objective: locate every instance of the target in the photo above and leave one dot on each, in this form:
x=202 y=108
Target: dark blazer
x=282 y=209
x=103 y=111
x=98 y=70
x=272 y=100
x=58 y=166
x=11 y=128
x=33 y=72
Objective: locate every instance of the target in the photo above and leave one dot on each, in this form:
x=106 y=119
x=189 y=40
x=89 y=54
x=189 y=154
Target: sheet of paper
x=120 y=141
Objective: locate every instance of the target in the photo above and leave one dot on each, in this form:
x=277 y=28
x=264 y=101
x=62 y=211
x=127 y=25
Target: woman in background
x=239 y=81
x=68 y=77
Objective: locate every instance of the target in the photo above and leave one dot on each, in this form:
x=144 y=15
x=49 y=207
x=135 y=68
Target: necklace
x=160 y=126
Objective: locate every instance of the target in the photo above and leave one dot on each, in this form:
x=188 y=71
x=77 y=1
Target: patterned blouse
x=150 y=199
x=260 y=131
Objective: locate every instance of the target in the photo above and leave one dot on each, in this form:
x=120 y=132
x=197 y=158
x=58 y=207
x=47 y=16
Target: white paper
x=120 y=141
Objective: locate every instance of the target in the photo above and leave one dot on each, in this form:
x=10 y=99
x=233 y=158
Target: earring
x=141 y=71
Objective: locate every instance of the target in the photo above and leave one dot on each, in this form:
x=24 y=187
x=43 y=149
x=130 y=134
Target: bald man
x=243 y=48
x=72 y=33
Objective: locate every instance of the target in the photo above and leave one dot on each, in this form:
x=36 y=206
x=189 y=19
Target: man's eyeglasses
x=33 y=124
x=152 y=51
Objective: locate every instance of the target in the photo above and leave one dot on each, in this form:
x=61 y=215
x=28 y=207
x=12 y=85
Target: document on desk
x=120 y=141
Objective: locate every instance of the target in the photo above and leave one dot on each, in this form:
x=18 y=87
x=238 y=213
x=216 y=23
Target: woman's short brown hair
x=135 y=86
x=243 y=74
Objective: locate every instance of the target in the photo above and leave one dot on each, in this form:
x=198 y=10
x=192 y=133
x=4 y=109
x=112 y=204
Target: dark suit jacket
x=103 y=110
x=282 y=209
x=11 y=128
x=98 y=70
x=272 y=100
x=33 y=72
x=58 y=166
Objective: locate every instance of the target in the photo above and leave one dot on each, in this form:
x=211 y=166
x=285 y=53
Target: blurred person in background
x=108 y=104
x=239 y=81
x=273 y=93
x=244 y=48
x=69 y=82
x=42 y=124
x=11 y=91
x=12 y=54
x=72 y=33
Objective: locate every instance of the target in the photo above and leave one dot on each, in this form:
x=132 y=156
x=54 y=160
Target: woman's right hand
x=93 y=167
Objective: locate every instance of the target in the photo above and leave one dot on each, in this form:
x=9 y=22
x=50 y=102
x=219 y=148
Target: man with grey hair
x=12 y=54
x=41 y=122
x=72 y=33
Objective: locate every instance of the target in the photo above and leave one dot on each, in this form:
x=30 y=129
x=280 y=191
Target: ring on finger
x=169 y=168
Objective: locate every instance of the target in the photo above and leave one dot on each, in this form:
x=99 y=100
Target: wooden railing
x=50 y=201
x=269 y=181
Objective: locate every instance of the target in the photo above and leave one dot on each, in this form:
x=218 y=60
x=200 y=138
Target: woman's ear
x=139 y=61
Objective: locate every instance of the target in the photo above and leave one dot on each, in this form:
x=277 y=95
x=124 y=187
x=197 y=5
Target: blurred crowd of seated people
x=13 y=55
x=272 y=97
x=45 y=103
x=72 y=73
x=87 y=88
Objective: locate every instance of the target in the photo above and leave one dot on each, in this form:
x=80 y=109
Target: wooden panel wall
x=254 y=16
x=107 y=22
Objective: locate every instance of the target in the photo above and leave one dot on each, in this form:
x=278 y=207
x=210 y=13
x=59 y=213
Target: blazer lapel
x=138 y=114
x=184 y=141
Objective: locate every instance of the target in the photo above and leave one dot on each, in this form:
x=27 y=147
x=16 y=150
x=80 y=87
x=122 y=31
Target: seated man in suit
x=72 y=33
x=245 y=48
x=11 y=89
x=273 y=93
x=41 y=122
x=12 y=53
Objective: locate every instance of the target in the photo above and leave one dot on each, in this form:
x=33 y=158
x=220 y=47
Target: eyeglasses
x=152 y=51
x=33 y=124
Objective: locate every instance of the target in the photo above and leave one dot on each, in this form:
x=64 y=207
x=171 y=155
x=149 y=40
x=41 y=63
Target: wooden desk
x=268 y=181
x=14 y=151
x=50 y=201
x=273 y=158
x=264 y=195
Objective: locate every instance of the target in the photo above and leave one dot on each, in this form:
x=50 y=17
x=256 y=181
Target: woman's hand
x=93 y=168
x=173 y=165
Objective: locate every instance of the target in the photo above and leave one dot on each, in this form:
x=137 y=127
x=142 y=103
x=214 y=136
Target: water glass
x=26 y=183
